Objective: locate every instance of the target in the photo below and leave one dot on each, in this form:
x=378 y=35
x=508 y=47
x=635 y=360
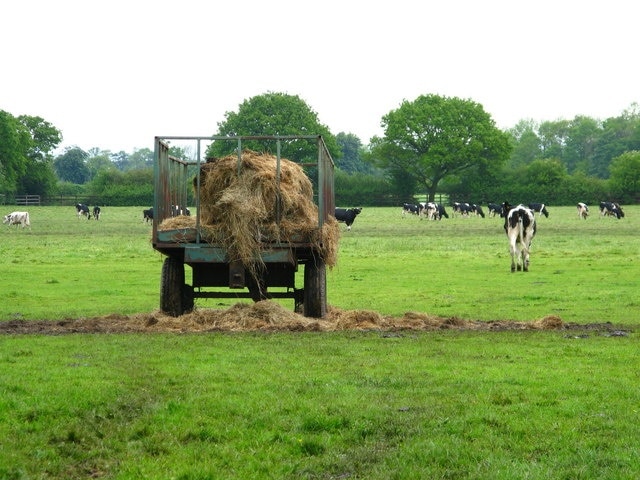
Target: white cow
x=17 y=218
x=520 y=226
x=583 y=210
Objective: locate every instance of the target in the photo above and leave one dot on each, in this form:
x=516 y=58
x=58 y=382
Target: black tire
x=172 y=287
x=187 y=299
x=315 y=289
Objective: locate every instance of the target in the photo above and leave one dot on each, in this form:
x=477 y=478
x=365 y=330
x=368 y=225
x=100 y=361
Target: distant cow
x=435 y=211
x=583 y=210
x=347 y=215
x=611 y=209
x=466 y=209
x=478 y=210
x=147 y=215
x=82 y=210
x=17 y=218
x=494 y=209
x=179 y=210
x=96 y=212
x=539 y=208
x=520 y=226
x=413 y=208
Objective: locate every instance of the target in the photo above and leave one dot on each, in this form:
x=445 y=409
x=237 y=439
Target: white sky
x=114 y=74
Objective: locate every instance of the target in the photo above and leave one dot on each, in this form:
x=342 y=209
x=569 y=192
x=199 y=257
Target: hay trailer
x=177 y=186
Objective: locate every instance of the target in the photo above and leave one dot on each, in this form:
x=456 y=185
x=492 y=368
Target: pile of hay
x=267 y=316
x=245 y=207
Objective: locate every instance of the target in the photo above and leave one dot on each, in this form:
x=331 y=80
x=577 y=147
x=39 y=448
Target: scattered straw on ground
x=268 y=316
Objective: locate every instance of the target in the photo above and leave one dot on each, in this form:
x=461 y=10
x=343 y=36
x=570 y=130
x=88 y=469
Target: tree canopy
x=26 y=144
x=71 y=166
x=436 y=137
x=273 y=114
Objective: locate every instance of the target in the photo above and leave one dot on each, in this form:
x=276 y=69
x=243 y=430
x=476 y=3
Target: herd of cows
x=519 y=221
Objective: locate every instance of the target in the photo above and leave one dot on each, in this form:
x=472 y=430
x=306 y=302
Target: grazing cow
x=465 y=209
x=520 y=226
x=17 y=218
x=477 y=209
x=83 y=210
x=96 y=212
x=441 y=211
x=494 y=209
x=583 y=210
x=413 y=208
x=347 y=215
x=147 y=215
x=435 y=211
x=539 y=208
x=178 y=210
x=611 y=209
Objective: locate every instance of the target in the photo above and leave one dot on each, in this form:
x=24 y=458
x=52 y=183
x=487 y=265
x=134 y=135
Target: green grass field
x=581 y=271
x=448 y=404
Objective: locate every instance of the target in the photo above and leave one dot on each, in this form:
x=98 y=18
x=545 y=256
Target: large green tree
x=274 y=114
x=71 y=166
x=39 y=177
x=625 y=177
x=436 y=137
x=15 y=143
x=350 y=158
x=526 y=144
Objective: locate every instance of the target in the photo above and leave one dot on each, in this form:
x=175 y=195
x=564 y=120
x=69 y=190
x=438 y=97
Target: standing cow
x=611 y=209
x=520 y=226
x=539 y=208
x=17 y=218
x=147 y=215
x=347 y=215
x=96 y=212
x=495 y=209
x=82 y=210
x=583 y=210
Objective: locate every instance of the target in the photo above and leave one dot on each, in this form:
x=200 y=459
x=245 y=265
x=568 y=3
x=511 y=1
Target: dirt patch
x=267 y=316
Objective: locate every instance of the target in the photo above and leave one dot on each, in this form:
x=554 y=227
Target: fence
x=27 y=200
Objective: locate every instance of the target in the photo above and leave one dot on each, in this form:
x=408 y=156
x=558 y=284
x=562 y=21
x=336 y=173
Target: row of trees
x=431 y=146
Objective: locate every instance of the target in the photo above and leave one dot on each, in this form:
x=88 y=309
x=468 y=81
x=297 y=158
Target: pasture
x=581 y=271
x=359 y=405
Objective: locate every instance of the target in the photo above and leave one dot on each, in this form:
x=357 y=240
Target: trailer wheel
x=315 y=289
x=172 y=287
x=187 y=298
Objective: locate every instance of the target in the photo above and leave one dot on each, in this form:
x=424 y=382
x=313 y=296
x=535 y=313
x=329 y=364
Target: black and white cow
x=494 y=209
x=347 y=215
x=466 y=209
x=147 y=215
x=177 y=210
x=435 y=211
x=82 y=210
x=611 y=209
x=460 y=208
x=477 y=209
x=520 y=226
x=17 y=218
x=583 y=210
x=539 y=208
x=441 y=211
x=96 y=212
x=412 y=208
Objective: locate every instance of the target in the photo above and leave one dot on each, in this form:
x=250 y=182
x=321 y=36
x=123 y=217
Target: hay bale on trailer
x=244 y=208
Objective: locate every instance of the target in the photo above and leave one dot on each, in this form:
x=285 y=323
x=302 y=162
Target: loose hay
x=269 y=316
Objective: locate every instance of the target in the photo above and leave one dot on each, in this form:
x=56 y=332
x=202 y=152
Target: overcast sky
x=114 y=74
